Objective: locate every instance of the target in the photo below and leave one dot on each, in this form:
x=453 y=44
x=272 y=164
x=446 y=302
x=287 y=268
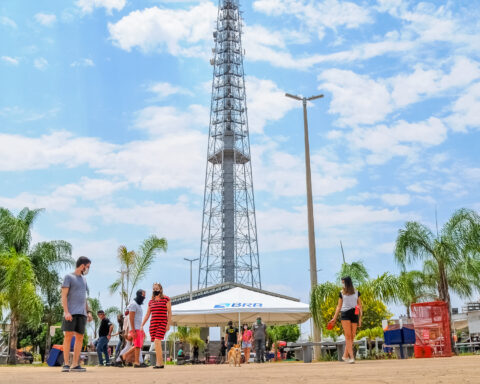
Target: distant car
x=24 y=357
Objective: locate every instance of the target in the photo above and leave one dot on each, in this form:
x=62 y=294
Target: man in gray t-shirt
x=77 y=294
x=75 y=312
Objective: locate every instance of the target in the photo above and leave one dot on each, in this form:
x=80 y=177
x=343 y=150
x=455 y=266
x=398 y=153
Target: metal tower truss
x=229 y=249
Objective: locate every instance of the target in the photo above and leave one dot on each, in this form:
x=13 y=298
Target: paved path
x=465 y=369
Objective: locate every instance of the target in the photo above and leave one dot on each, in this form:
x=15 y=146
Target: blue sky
x=104 y=110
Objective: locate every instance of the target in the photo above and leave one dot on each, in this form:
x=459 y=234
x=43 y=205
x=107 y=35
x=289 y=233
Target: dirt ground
x=463 y=369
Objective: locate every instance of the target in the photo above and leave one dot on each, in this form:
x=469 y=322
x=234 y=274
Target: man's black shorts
x=77 y=324
x=349 y=315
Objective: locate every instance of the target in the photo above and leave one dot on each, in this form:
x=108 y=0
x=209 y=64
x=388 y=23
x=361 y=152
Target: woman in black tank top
x=350 y=306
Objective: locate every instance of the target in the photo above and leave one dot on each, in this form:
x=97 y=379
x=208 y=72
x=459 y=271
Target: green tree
x=451 y=258
x=287 y=333
x=18 y=295
x=370 y=334
x=38 y=264
x=135 y=265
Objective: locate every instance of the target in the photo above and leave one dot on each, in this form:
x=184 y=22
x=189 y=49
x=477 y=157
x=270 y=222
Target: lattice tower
x=229 y=248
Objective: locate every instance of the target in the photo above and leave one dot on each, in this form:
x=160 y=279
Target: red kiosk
x=432 y=329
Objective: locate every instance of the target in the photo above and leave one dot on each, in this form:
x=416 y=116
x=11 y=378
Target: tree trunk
x=408 y=311
x=48 y=340
x=13 y=340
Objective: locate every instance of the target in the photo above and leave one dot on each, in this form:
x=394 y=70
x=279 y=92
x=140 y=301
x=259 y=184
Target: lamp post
x=191 y=261
x=311 y=227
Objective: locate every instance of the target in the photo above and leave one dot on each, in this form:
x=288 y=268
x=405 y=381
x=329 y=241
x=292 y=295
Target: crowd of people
x=131 y=327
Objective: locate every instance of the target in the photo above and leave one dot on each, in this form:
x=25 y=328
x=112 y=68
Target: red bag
x=357 y=310
x=330 y=325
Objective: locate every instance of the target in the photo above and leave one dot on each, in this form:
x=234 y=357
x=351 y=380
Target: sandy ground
x=465 y=369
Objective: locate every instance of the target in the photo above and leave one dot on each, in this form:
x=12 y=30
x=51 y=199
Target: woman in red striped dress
x=160 y=310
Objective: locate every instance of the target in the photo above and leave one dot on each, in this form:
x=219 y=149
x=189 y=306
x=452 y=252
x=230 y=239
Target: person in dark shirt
x=195 y=354
x=223 y=351
x=104 y=335
x=231 y=334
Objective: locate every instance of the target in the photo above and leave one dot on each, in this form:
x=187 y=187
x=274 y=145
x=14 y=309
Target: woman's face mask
x=156 y=293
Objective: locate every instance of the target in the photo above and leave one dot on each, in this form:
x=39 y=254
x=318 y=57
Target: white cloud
x=174 y=221
x=83 y=63
x=282 y=174
x=178 y=32
x=409 y=88
x=40 y=63
x=358 y=99
x=21 y=115
x=170 y=120
x=163 y=90
x=401 y=139
x=87 y=6
x=266 y=103
x=331 y=222
x=10 y=60
x=466 y=110
x=396 y=199
x=46 y=19
x=6 y=21
x=318 y=16
x=22 y=153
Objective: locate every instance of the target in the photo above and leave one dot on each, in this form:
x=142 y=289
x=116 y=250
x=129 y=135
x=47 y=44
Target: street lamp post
x=191 y=261
x=311 y=226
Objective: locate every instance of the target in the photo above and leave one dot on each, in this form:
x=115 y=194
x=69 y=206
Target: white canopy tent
x=240 y=305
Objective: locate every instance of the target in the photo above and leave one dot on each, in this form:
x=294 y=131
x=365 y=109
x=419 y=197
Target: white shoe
x=346 y=359
x=351 y=361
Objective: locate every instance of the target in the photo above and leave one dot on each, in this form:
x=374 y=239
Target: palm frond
x=115 y=286
x=321 y=293
x=145 y=258
x=356 y=270
x=415 y=242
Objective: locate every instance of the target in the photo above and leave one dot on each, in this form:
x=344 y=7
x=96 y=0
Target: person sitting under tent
x=181 y=356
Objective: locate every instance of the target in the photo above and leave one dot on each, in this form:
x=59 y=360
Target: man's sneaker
x=66 y=368
x=118 y=364
x=78 y=368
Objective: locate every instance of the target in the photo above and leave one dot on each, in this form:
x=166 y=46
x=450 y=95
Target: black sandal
x=158 y=366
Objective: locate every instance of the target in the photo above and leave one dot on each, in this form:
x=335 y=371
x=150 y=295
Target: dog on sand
x=235 y=355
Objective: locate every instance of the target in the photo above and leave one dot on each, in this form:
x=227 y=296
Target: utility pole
x=311 y=227
x=191 y=261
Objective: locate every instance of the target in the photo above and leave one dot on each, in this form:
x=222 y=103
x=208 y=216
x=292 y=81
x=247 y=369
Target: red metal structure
x=432 y=329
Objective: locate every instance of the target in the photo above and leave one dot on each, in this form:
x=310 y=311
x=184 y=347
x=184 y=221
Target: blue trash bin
x=393 y=337
x=408 y=335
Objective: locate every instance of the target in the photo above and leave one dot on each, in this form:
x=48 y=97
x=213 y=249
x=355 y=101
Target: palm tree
x=135 y=265
x=451 y=258
x=39 y=262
